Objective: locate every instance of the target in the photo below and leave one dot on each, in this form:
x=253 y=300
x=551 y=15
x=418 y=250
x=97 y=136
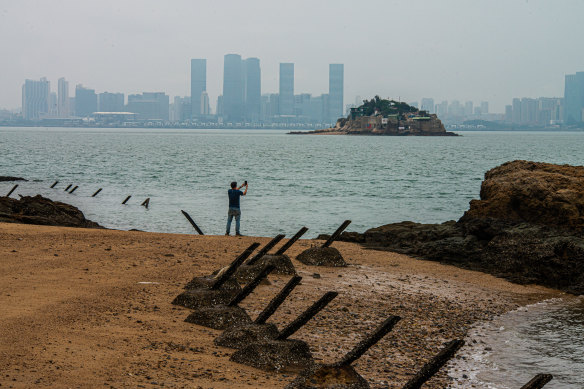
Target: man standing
x=234 y=193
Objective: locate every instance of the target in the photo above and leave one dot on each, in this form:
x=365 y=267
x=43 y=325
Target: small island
x=385 y=117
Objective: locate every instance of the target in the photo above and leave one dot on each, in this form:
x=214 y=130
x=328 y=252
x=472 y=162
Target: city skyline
x=488 y=50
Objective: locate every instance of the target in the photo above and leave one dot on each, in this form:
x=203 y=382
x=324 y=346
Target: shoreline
x=86 y=306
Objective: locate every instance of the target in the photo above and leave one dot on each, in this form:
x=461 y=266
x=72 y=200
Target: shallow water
x=317 y=181
x=541 y=338
x=313 y=181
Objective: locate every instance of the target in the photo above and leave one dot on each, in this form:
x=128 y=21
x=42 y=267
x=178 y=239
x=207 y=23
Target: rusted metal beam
x=292 y=240
x=265 y=249
x=251 y=286
x=12 y=190
x=278 y=300
x=96 y=192
x=195 y=226
x=368 y=342
x=234 y=265
x=54 y=184
x=337 y=233
x=538 y=381
x=305 y=316
x=432 y=367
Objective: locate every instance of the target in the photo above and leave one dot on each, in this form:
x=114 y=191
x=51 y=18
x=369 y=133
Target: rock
x=353 y=237
x=42 y=211
x=533 y=192
x=10 y=178
x=322 y=256
x=528 y=227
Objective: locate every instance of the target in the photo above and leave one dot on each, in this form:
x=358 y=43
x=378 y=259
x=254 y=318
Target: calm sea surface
x=295 y=181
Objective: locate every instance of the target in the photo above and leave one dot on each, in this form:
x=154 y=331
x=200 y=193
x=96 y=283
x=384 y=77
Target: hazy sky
x=476 y=50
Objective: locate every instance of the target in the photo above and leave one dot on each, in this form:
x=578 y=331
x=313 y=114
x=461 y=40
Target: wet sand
x=91 y=308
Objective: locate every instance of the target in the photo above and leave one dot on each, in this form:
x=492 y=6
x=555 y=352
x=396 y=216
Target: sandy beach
x=92 y=308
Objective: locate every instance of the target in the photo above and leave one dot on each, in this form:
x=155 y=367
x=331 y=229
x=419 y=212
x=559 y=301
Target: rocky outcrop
x=539 y=193
x=10 y=178
x=43 y=211
x=527 y=227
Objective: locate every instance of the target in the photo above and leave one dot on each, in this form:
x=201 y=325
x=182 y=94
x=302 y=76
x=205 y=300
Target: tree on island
x=385 y=107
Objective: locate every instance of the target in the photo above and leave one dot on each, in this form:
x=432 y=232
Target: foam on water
x=510 y=350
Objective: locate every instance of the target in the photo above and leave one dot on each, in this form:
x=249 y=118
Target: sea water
x=312 y=181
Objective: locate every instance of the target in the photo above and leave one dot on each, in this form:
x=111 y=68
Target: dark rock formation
x=322 y=256
x=43 y=211
x=527 y=227
x=539 y=193
x=10 y=178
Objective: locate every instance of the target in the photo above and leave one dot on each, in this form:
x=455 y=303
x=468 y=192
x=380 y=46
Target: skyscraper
x=63 y=98
x=110 y=102
x=205 y=108
x=233 y=88
x=85 y=101
x=253 y=90
x=574 y=97
x=198 y=84
x=150 y=105
x=427 y=104
x=35 y=98
x=516 y=117
x=286 y=98
x=336 y=87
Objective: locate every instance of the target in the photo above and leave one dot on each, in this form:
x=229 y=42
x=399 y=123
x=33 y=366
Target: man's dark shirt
x=234 y=195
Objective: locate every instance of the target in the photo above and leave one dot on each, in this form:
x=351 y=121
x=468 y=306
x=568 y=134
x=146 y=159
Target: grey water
x=295 y=181
x=510 y=350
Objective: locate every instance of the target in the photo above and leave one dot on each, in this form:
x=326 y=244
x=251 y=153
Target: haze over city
x=481 y=51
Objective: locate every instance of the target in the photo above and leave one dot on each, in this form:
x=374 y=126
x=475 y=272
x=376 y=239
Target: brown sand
x=91 y=308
